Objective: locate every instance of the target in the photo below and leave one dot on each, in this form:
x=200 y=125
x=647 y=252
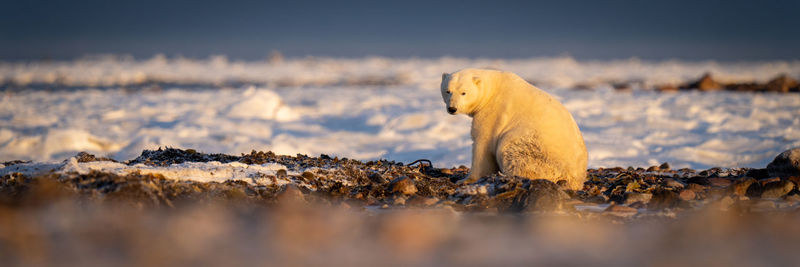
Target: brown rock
x=664 y=166
x=632 y=197
x=745 y=87
x=687 y=195
x=290 y=194
x=758 y=173
x=719 y=182
x=666 y=88
x=764 y=182
x=781 y=84
x=786 y=164
x=663 y=199
x=741 y=186
x=422 y=201
x=669 y=182
x=697 y=188
x=542 y=195
x=403 y=185
x=777 y=189
x=705 y=83
x=622 y=86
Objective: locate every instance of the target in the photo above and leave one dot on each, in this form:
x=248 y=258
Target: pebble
x=632 y=197
x=403 y=185
x=786 y=164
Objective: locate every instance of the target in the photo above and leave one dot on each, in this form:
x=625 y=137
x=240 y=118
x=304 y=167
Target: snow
x=197 y=171
x=114 y=70
x=324 y=106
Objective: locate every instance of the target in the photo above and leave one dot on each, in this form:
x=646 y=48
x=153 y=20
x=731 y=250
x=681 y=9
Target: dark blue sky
x=693 y=30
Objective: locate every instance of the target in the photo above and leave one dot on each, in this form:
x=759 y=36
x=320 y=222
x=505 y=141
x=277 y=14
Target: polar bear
x=517 y=129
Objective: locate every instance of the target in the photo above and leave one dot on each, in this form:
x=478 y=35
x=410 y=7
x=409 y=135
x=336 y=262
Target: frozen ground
x=381 y=108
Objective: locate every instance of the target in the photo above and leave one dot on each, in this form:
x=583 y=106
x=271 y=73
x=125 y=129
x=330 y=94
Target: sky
x=730 y=30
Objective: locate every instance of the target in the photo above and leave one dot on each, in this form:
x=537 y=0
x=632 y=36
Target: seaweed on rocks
x=383 y=183
x=169 y=156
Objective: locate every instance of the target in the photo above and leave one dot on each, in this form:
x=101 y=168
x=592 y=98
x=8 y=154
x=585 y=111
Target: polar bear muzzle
x=451 y=110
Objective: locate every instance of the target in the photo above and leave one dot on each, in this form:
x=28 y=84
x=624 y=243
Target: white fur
x=517 y=128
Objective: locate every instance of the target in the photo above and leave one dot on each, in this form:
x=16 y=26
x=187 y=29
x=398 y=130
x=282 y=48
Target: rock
x=376 y=178
x=758 y=173
x=745 y=87
x=399 y=201
x=719 y=182
x=281 y=173
x=664 y=166
x=724 y=203
x=632 y=197
x=422 y=201
x=403 y=185
x=697 y=188
x=542 y=195
x=663 y=199
x=622 y=86
x=777 y=189
x=781 y=84
x=786 y=164
x=86 y=157
x=705 y=83
x=754 y=190
x=764 y=182
x=308 y=175
x=620 y=210
x=291 y=194
x=669 y=182
x=793 y=198
x=599 y=199
x=741 y=186
x=666 y=88
x=687 y=195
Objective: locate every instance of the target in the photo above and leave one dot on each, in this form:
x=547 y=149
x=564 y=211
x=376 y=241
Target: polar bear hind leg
x=522 y=157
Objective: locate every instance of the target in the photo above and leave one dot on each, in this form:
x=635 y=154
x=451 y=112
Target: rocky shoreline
x=342 y=212
x=624 y=192
x=779 y=84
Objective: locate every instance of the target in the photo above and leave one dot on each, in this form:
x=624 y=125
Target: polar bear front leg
x=484 y=162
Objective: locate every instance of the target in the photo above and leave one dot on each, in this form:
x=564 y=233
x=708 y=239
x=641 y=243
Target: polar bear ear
x=476 y=80
x=444 y=76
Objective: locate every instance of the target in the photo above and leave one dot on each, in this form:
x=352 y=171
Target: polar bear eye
x=463 y=93
x=449 y=93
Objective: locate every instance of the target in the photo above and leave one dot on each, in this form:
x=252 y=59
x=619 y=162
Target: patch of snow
x=197 y=171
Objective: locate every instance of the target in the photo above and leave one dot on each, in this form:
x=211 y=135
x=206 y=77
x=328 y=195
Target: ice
x=341 y=108
x=112 y=70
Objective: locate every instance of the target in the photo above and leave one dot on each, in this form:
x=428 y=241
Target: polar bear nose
x=451 y=110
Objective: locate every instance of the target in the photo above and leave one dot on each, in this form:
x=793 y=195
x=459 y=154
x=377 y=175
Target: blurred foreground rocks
x=326 y=181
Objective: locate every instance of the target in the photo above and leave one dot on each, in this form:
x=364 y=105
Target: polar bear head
x=463 y=91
